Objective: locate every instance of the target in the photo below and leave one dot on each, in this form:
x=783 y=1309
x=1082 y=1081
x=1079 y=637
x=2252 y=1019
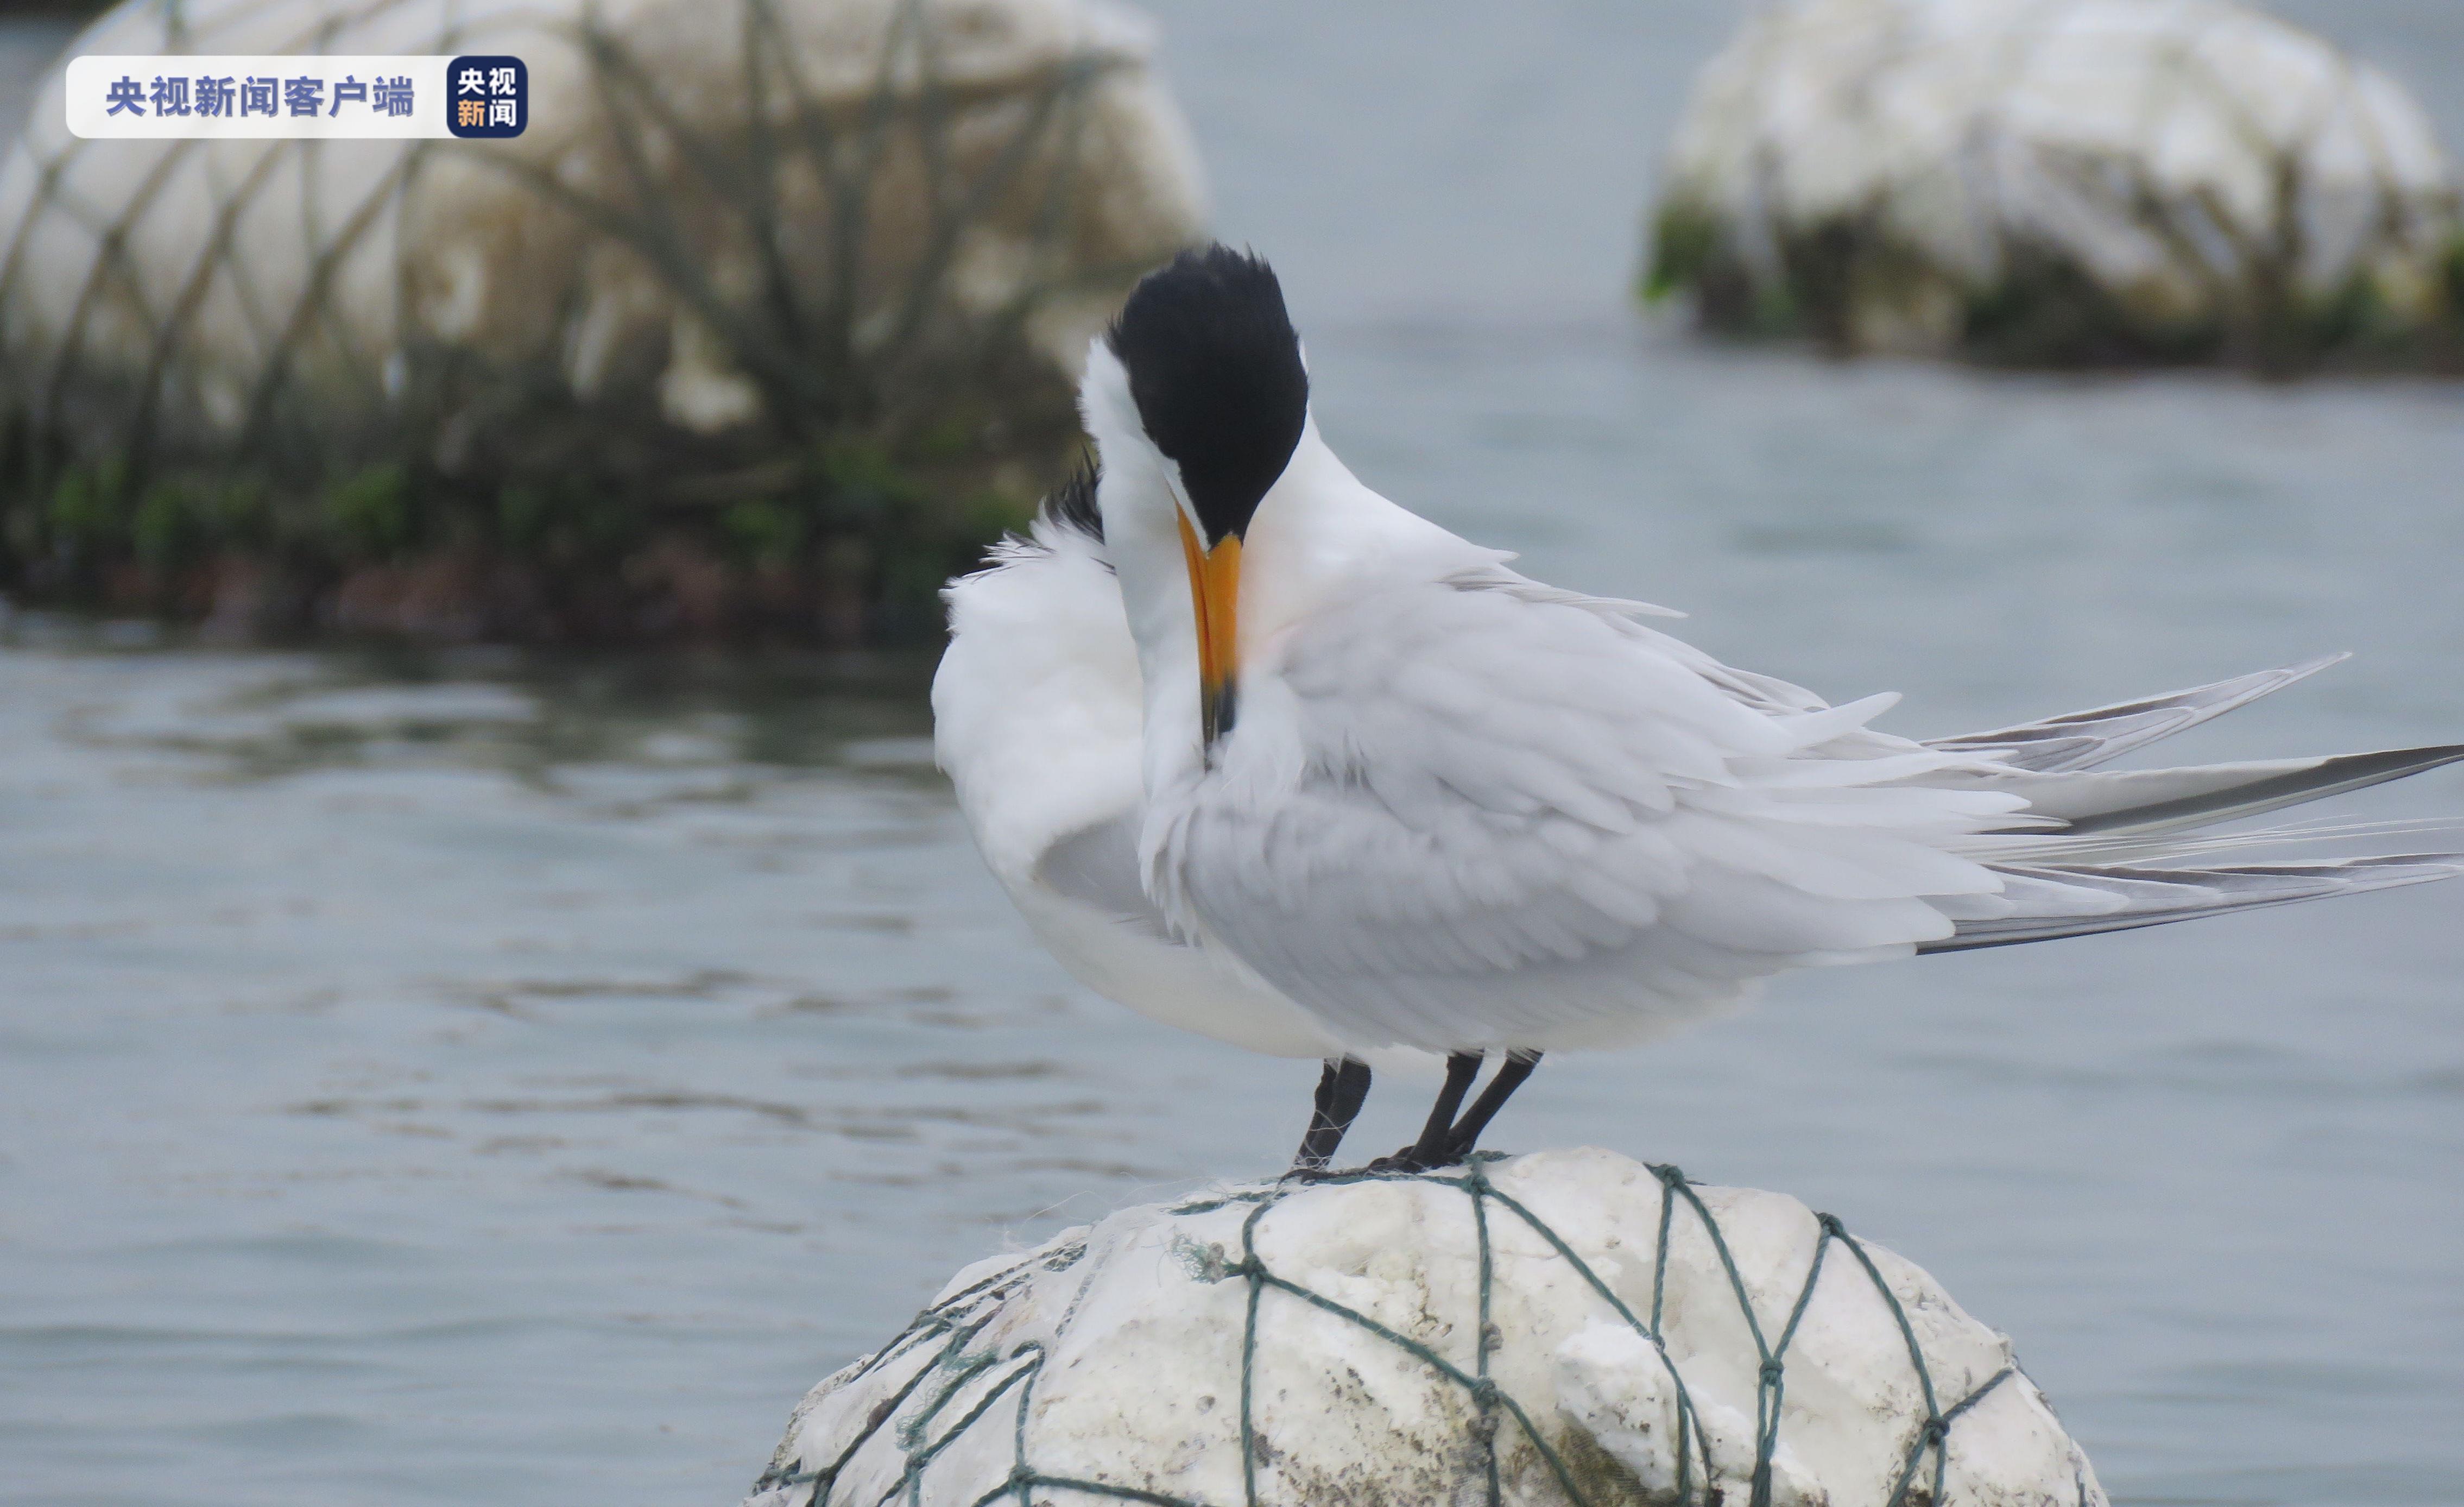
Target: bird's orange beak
x=1215 y=591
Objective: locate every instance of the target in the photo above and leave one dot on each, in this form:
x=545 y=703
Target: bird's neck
x=1322 y=536
x=1318 y=535
x=1142 y=542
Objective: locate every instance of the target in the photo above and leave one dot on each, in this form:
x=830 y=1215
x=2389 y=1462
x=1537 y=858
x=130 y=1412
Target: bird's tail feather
x=2124 y=850
x=2130 y=850
x=2129 y=854
x=2039 y=904
x=2146 y=802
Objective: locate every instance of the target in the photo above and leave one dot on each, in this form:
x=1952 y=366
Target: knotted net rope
x=951 y=1328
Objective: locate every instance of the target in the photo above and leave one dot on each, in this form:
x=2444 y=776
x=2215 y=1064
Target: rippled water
x=478 y=1077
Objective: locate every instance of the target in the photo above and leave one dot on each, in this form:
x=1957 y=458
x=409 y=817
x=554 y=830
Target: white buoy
x=1565 y=1327
x=2061 y=180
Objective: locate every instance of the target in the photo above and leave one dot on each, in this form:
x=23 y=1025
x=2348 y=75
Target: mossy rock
x=2079 y=183
x=765 y=325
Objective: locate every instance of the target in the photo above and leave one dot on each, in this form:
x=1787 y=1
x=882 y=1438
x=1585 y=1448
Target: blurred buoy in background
x=2062 y=182
x=1566 y=1327
x=770 y=318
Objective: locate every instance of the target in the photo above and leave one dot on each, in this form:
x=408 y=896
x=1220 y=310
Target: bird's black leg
x=1436 y=1137
x=1510 y=1073
x=1319 y=1103
x=1341 y=1090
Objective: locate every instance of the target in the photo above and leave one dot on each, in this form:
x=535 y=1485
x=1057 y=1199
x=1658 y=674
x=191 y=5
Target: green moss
x=88 y=509
x=169 y=524
x=2042 y=311
x=859 y=484
x=765 y=531
x=1685 y=241
x=370 y=512
x=599 y=525
x=951 y=439
x=2045 y=312
x=523 y=511
x=496 y=495
x=240 y=513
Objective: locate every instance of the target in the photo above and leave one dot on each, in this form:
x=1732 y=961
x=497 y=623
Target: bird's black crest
x=1215 y=367
x=1073 y=505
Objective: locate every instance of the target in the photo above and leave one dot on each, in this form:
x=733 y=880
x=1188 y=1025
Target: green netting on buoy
x=925 y=1421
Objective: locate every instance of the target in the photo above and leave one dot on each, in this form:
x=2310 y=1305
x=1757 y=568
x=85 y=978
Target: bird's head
x=1197 y=397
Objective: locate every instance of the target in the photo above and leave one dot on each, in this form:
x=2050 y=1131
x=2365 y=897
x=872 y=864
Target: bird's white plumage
x=1460 y=812
x=1036 y=718
x=1463 y=809
x=1460 y=809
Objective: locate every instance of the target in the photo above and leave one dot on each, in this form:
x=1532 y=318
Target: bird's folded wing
x=1454 y=815
x=1097 y=866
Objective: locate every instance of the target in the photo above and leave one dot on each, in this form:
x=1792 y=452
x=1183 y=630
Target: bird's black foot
x=1405 y=1160
x=1465 y=1134
x=1446 y=1142
x=1305 y=1176
x=1418 y=1159
x=1435 y=1146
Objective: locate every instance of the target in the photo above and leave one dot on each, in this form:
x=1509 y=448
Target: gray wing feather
x=2149 y=801
x=2084 y=739
x=2053 y=900
x=1097 y=864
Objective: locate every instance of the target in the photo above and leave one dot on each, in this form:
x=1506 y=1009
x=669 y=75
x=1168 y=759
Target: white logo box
x=91 y=80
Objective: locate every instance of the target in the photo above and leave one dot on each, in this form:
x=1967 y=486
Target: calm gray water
x=475 y=1078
